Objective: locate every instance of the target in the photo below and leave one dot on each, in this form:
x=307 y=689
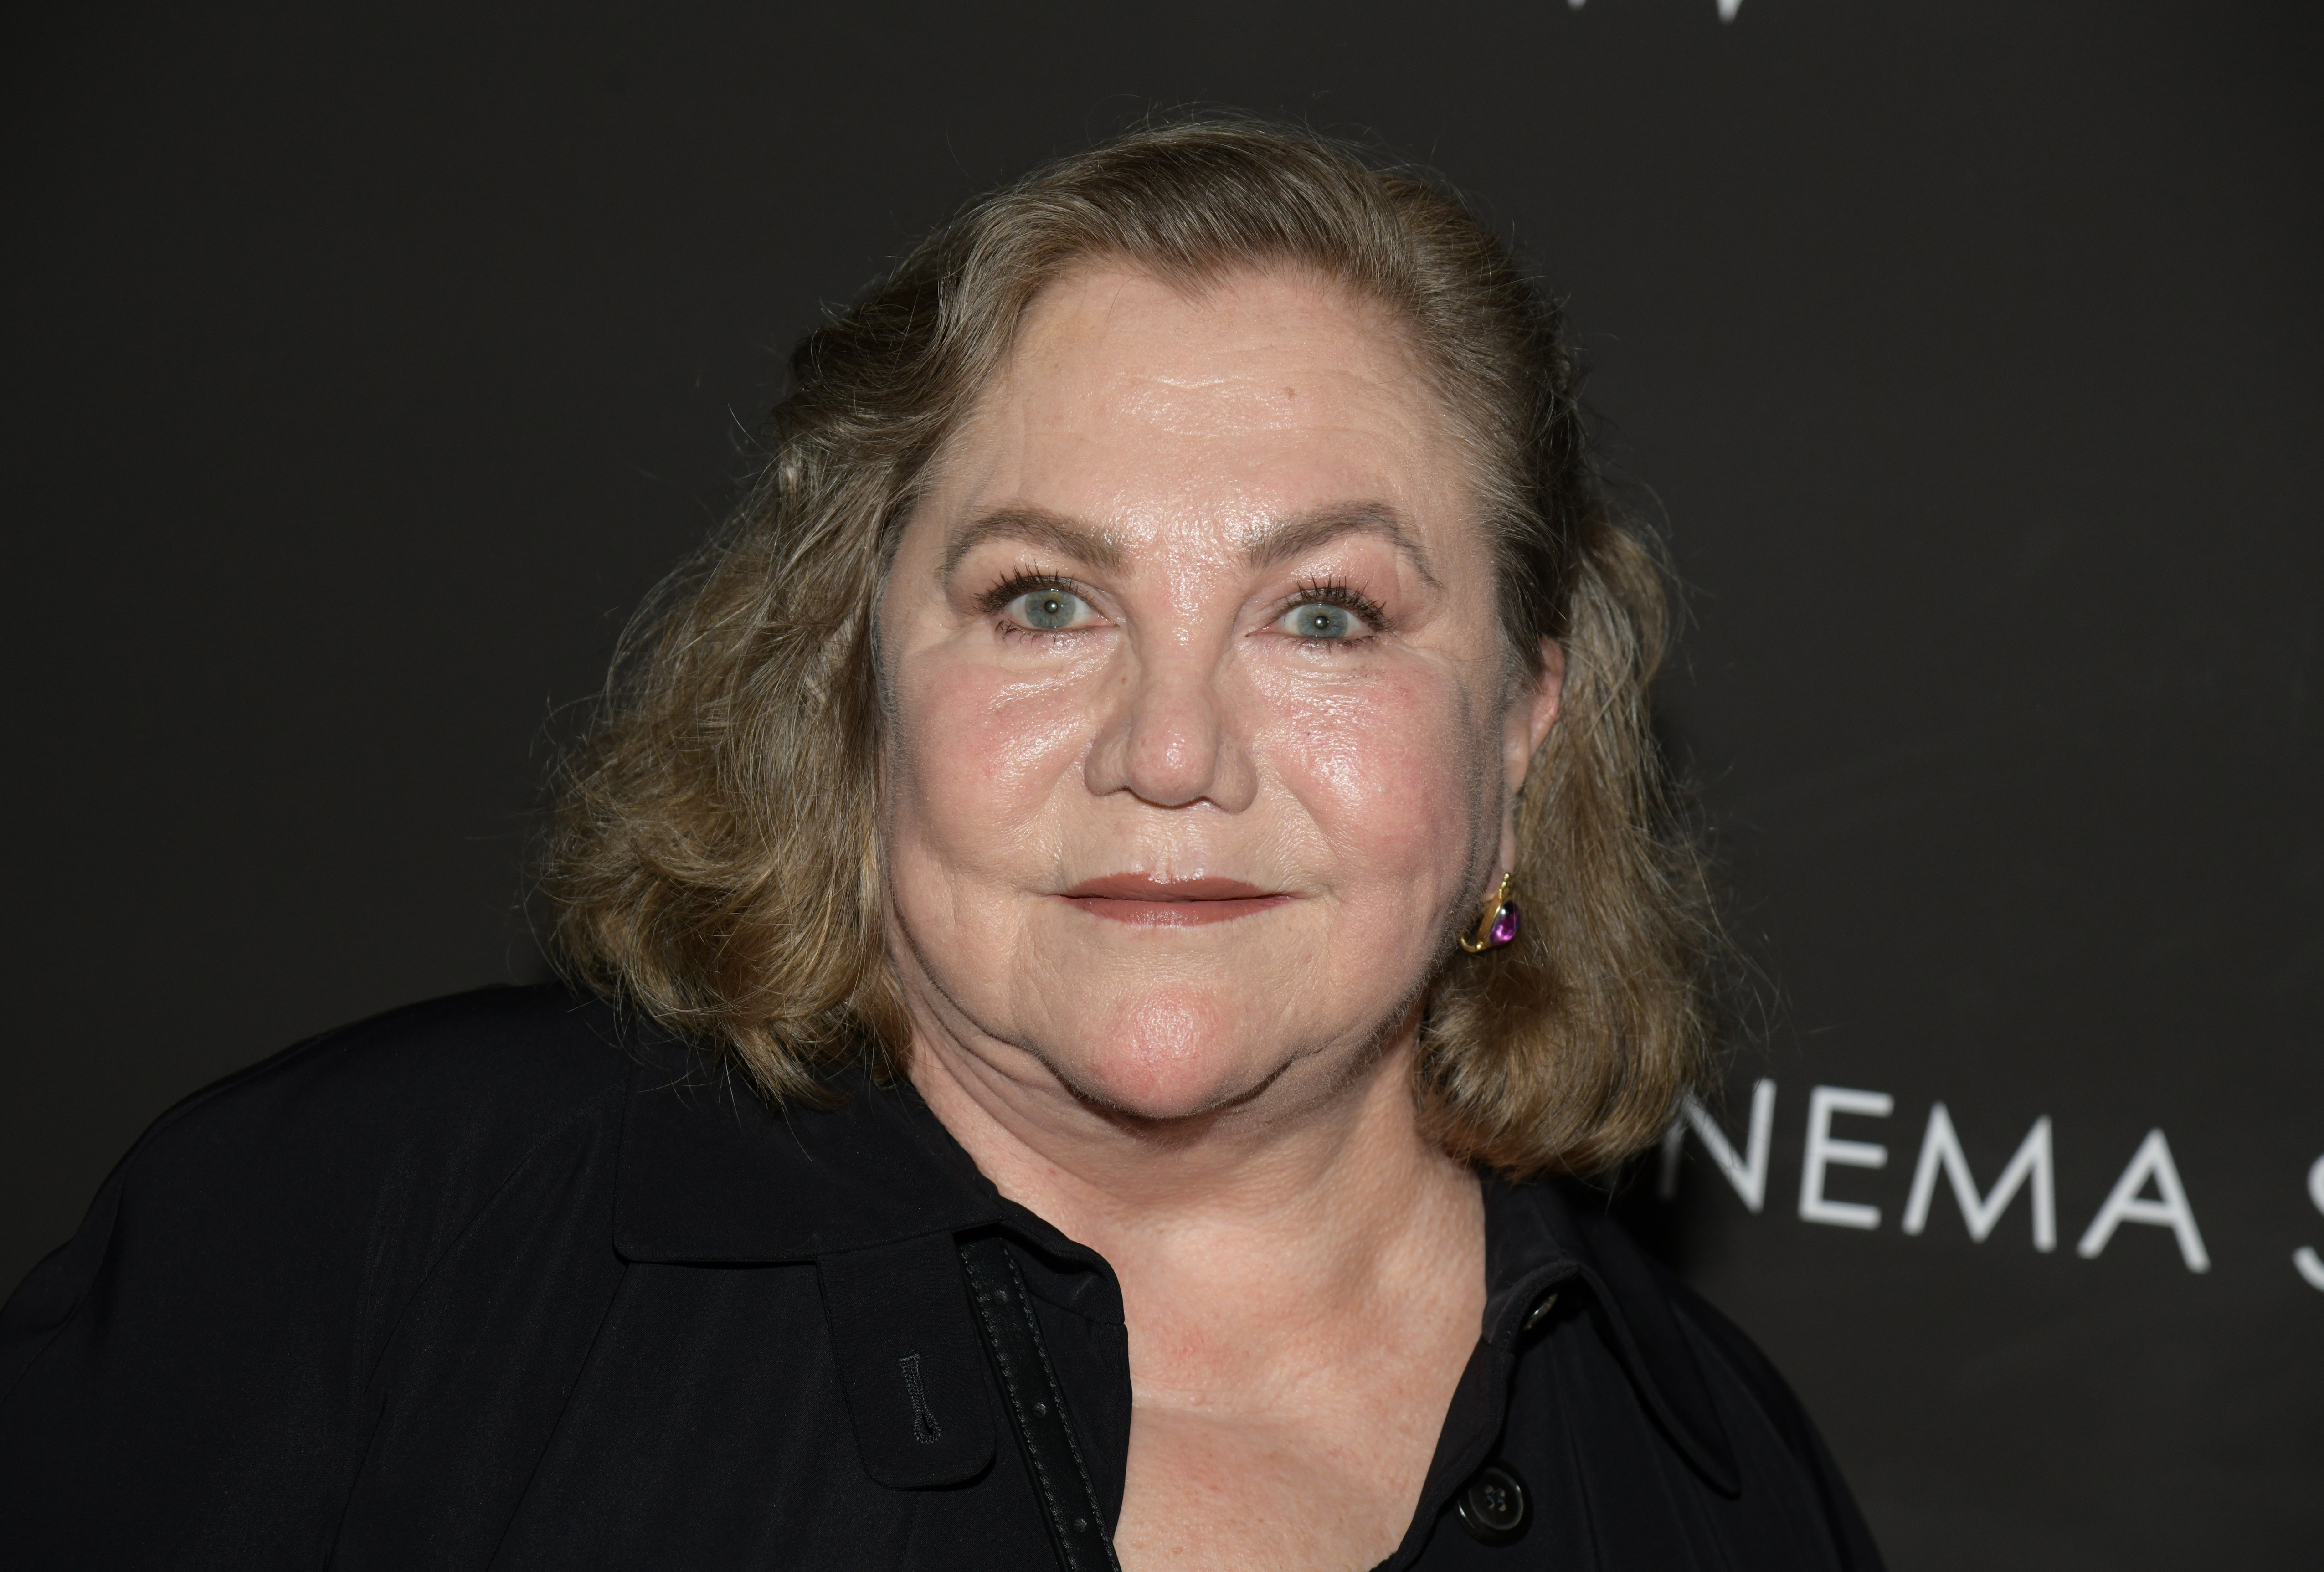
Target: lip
x=1189 y=903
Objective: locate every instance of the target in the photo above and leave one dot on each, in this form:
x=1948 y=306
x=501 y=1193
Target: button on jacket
x=499 y=1281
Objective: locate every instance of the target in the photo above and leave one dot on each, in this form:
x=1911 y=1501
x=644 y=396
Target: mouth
x=1190 y=902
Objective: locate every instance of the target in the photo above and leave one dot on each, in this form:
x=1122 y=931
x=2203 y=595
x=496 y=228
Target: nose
x=1169 y=737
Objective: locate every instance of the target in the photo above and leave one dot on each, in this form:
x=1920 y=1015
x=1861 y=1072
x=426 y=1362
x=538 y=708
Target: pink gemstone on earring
x=1505 y=925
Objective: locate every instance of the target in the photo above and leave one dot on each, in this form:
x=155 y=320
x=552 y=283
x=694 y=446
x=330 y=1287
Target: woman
x=1092 y=910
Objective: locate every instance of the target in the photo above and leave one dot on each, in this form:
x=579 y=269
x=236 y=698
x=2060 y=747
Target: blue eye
x=1319 y=620
x=1049 y=610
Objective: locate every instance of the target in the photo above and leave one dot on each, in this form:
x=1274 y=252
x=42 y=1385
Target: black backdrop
x=364 y=368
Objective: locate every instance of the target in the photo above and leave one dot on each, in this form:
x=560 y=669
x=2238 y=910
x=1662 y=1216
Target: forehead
x=1128 y=398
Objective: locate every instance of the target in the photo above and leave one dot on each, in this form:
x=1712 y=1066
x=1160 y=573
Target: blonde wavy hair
x=713 y=860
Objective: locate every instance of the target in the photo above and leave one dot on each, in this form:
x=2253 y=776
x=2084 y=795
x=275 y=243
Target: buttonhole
x=925 y=1429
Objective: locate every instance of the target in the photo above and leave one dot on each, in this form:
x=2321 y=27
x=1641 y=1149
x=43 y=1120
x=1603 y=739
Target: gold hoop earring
x=1498 y=925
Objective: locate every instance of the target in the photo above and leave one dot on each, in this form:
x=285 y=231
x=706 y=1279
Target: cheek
x=978 y=750
x=1390 y=771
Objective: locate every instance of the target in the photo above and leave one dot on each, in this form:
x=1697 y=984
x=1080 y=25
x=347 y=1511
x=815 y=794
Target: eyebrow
x=1303 y=532
x=1266 y=547
x=1036 y=527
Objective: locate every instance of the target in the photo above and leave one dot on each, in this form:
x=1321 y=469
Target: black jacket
x=491 y=1281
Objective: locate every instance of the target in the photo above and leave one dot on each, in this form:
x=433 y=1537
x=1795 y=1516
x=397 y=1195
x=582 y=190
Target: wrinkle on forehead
x=1246 y=384
x=1134 y=406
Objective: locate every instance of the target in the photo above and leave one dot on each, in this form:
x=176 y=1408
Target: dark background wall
x=363 y=367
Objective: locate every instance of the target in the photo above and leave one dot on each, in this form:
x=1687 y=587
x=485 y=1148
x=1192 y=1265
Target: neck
x=1322 y=1183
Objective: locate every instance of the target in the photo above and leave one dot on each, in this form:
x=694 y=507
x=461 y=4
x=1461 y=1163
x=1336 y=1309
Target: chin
x=1171 y=1056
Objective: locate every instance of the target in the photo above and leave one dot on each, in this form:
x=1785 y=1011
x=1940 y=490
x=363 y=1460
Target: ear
x=1525 y=727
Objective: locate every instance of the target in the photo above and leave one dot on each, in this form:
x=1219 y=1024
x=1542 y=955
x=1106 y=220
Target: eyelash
x=992 y=602
x=1331 y=591
x=1326 y=591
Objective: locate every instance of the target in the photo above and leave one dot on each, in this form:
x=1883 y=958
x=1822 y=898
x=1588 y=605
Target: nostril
x=1173 y=755
x=1170 y=742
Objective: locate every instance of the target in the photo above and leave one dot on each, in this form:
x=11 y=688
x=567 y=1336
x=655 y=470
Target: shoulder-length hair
x=715 y=861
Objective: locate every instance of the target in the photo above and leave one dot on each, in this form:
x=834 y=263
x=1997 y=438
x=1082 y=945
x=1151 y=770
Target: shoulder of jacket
x=1742 y=1360
x=493 y=1069
x=359 y=1154
x=1644 y=1278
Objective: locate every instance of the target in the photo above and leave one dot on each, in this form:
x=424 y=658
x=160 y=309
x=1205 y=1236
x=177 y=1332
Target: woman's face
x=1201 y=736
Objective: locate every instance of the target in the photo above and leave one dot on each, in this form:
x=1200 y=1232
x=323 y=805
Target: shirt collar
x=1538 y=1238
x=710 y=1174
